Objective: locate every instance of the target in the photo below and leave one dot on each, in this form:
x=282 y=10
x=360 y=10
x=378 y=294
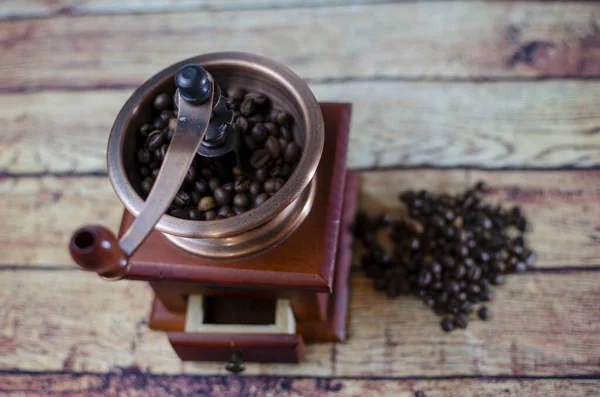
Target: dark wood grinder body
x=306 y=274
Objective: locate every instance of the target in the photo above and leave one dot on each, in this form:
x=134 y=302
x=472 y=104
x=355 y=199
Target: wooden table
x=444 y=94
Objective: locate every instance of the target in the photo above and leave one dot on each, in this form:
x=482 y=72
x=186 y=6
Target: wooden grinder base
x=310 y=268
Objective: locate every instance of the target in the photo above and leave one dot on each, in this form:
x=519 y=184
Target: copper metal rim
x=263 y=237
x=278 y=77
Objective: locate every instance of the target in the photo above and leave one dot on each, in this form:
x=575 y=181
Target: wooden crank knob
x=96 y=249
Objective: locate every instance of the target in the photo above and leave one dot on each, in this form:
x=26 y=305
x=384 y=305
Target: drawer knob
x=235 y=363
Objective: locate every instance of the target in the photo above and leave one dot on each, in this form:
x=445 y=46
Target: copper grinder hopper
x=204 y=128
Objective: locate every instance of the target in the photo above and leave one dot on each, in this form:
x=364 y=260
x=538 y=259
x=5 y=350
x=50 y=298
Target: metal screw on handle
x=235 y=363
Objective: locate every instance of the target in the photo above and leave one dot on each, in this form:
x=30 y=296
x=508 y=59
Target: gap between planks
x=136 y=370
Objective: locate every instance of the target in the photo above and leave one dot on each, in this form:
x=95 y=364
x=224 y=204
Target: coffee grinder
x=255 y=286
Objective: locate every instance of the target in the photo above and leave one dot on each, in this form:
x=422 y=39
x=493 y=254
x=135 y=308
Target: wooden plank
x=39 y=214
x=134 y=382
x=432 y=40
x=12 y=9
x=74 y=321
x=489 y=125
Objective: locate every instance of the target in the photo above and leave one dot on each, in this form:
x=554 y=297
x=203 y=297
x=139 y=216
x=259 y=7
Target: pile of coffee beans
x=449 y=251
x=268 y=146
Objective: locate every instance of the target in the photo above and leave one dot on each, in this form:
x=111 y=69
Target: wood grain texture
x=134 y=382
x=72 y=320
x=447 y=40
x=489 y=125
x=50 y=8
x=40 y=214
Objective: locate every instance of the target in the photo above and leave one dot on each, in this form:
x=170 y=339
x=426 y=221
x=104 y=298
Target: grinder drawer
x=218 y=328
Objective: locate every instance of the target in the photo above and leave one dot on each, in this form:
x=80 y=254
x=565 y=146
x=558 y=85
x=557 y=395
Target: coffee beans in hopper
x=268 y=145
x=450 y=251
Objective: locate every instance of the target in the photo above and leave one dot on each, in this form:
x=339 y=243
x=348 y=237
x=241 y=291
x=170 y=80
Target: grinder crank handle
x=96 y=248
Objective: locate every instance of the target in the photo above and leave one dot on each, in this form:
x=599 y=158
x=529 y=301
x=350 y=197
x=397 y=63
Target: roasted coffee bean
x=178 y=213
x=182 y=199
x=236 y=94
x=523 y=225
x=222 y=196
x=286 y=134
x=258 y=98
x=225 y=212
x=261 y=175
x=282 y=144
x=474 y=273
x=462 y=250
x=256 y=118
x=162 y=101
x=241 y=123
x=272 y=146
x=460 y=271
x=466 y=307
x=248 y=107
x=165 y=116
x=530 y=258
x=144 y=156
x=429 y=301
x=448 y=262
x=147 y=185
x=261 y=198
x=473 y=289
x=284 y=118
x=424 y=278
x=241 y=200
x=159 y=154
x=158 y=124
x=272 y=117
x=498 y=266
x=255 y=189
x=168 y=135
x=272 y=129
x=145 y=171
x=259 y=158
x=228 y=187
x=461 y=321
x=201 y=186
x=214 y=183
x=195 y=197
x=210 y=215
x=270 y=186
x=194 y=214
x=486 y=295
x=435 y=267
x=206 y=204
x=447 y=325
x=242 y=185
x=145 y=130
x=154 y=172
x=259 y=133
x=155 y=140
x=275 y=170
x=481 y=256
x=452 y=287
x=190 y=175
x=497 y=279
x=484 y=313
